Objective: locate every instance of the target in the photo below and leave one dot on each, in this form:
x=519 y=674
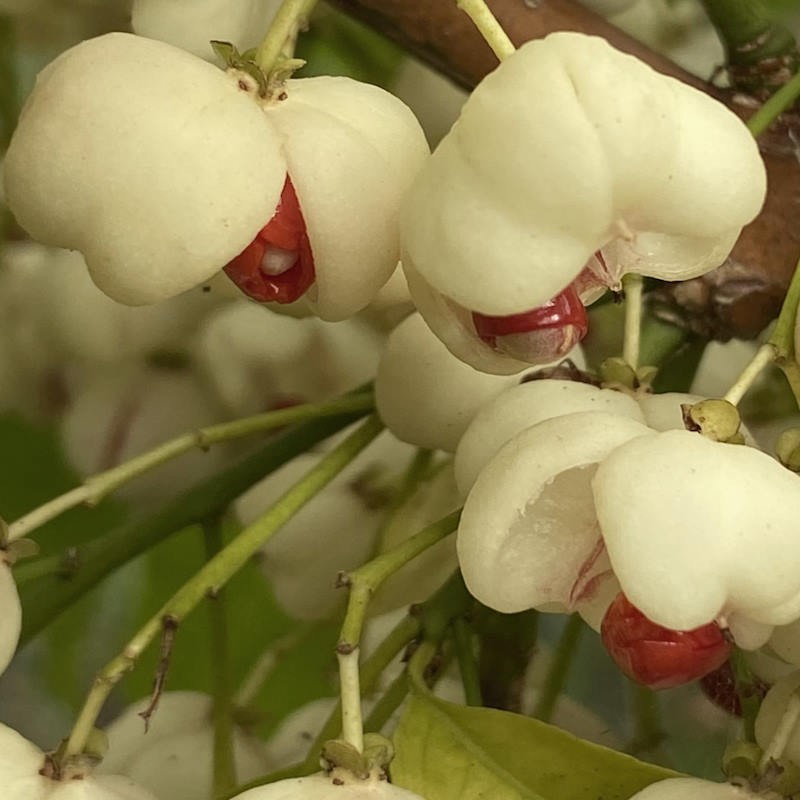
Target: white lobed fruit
x=290 y=742
x=120 y=413
x=696 y=529
x=785 y=642
x=338 y=786
x=771 y=712
x=10 y=615
x=335 y=532
x=256 y=360
x=21 y=761
x=83 y=324
x=391 y=305
x=546 y=166
x=693 y=789
x=422 y=576
x=767 y=667
x=424 y=394
x=29 y=364
x=524 y=405
x=174 y=757
x=528 y=536
x=192 y=24
x=202 y=162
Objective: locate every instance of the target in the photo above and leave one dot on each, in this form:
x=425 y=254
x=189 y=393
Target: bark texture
x=736 y=300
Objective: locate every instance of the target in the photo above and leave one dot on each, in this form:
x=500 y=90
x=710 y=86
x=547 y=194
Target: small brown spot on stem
x=170 y=625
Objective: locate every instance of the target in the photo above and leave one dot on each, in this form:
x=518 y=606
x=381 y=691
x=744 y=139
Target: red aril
x=277 y=266
x=539 y=335
x=659 y=657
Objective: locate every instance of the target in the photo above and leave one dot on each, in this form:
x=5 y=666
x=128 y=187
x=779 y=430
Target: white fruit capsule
x=335 y=532
x=20 y=778
x=524 y=405
x=693 y=789
x=203 y=162
x=421 y=577
x=338 y=786
x=528 y=536
x=119 y=414
x=191 y=25
x=257 y=360
x=771 y=712
x=84 y=324
x=547 y=166
x=424 y=394
x=174 y=757
x=293 y=737
x=10 y=615
x=729 y=545
x=785 y=643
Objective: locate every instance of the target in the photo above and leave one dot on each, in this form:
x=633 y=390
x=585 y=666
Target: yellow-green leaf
x=450 y=752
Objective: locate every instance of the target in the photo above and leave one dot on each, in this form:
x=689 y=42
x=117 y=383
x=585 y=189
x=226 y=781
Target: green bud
x=717 y=420
x=618 y=372
x=338 y=754
x=378 y=751
x=741 y=759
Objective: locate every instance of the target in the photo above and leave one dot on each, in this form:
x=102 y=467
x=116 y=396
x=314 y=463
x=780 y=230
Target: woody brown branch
x=744 y=294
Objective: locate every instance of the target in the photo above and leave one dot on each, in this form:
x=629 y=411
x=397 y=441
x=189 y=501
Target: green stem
x=782 y=100
x=648 y=733
x=388 y=703
x=782 y=336
x=291 y=18
x=224 y=769
x=366 y=579
x=659 y=341
x=467 y=664
x=765 y=355
x=759 y=50
x=418 y=666
x=46 y=598
x=557 y=674
x=488 y=26
x=265 y=665
x=217 y=572
x=96 y=487
x=62 y=566
x=363 y=583
x=748 y=697
x=779 y=348
x=416 y=473
x=507 y=644
x=372 y=668
x=633 y=285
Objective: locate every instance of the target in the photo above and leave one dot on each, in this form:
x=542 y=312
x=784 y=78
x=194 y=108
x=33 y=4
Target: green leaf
x=450 y=752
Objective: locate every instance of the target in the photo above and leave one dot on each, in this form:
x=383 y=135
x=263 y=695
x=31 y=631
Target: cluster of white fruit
x=305 y=193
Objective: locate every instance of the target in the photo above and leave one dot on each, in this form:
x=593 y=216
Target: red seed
x=287 y=231
x=659 y=657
